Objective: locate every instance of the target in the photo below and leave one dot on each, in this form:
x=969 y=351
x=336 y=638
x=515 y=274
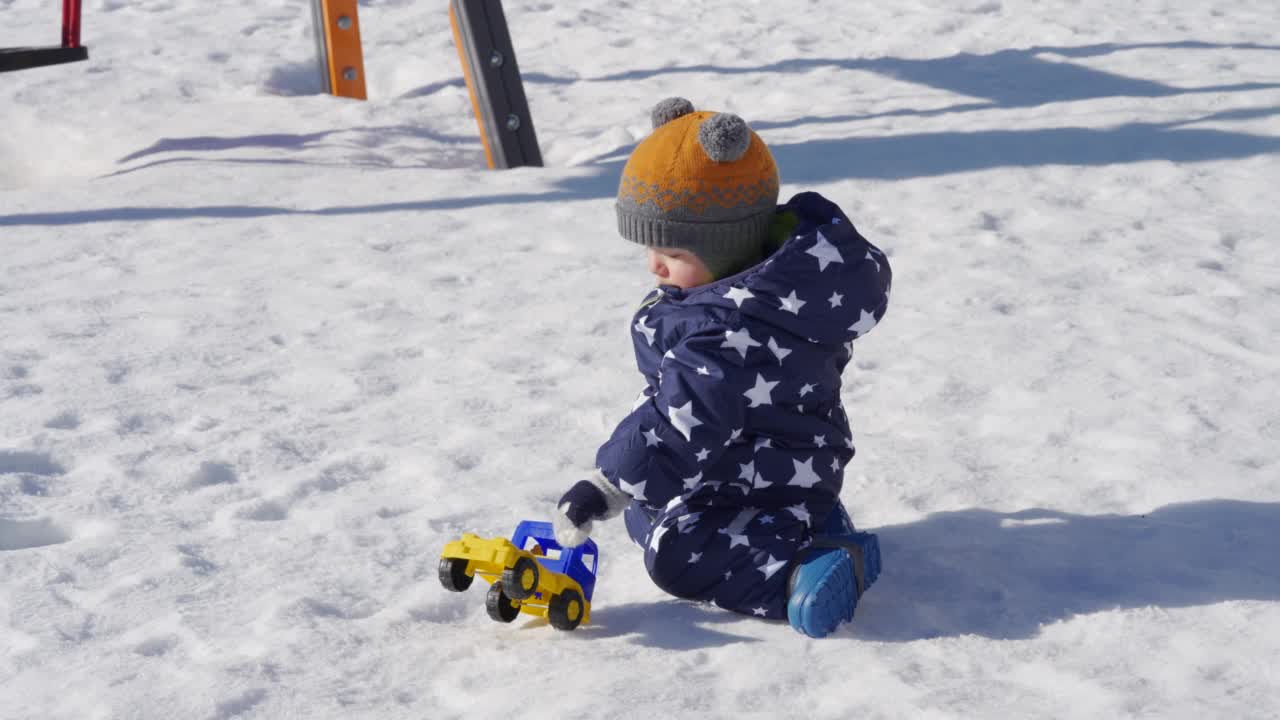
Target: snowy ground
x=263 y=352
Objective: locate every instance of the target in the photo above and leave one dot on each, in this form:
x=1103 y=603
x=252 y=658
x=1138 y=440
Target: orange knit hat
x=703 y=181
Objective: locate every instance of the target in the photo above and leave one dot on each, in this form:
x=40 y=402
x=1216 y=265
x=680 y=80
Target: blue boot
x=829 y=579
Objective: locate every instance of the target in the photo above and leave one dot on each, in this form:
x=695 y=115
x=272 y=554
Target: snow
x=263 y=352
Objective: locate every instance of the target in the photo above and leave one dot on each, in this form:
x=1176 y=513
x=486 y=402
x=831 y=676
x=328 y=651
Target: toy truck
x=529 y=573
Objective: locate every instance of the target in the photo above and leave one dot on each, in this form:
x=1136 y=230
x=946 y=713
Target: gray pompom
x=725 y=137
x=668 y=110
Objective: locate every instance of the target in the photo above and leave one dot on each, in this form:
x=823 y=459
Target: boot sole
x=846 y=574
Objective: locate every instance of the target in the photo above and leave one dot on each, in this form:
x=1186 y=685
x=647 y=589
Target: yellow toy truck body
x=537 y=581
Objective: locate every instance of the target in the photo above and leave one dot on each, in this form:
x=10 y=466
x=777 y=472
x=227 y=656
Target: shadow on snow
x=1005 y=79
x=668 y=625
x=1004 y=575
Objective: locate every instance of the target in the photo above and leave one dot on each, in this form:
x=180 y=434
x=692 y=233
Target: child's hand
x=585 y=502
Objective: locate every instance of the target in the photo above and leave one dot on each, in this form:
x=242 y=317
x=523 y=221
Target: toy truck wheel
x=520 y=580
x=453 y=574
x=501 y=607
x=565 y=610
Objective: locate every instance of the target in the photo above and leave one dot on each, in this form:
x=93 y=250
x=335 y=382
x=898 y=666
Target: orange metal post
x=342 y=48
x=471 y=84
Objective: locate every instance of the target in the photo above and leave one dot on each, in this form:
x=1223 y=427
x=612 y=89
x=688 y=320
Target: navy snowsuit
x=735 y=449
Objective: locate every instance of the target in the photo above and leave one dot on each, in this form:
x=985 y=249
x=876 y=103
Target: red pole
x=70 y=23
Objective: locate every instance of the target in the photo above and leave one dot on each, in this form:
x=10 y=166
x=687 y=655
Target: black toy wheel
x=566 y=610
x=500 y=607
x=453 y=574
x=520 y=580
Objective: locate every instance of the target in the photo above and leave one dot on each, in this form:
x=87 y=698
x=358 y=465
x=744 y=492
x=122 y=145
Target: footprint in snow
x=192 y=557
x=63 y=421
x=339 y=475
x=31 y=463
x=239 y=705
x=264 y=511
x=212 y=473
x=157 y=646
x=27 y=534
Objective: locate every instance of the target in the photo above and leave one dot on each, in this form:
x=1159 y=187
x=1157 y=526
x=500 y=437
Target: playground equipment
x=24 y=58
x=479 y=31
x=493 y=79
x=488 y=65
x=337 y=29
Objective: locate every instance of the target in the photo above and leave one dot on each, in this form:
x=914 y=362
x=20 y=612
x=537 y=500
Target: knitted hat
x=702 y=181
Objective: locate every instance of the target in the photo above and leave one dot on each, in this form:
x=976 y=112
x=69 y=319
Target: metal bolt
x=349 y=73
x=496 y=59
x=513 y=122
x=344 y=23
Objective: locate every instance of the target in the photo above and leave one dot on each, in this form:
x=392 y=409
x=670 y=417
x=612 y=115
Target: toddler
x=728 y=470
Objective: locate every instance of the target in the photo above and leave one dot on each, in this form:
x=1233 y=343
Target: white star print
x=636 y=491
x=760 y=394
x=645 y=329
x=651 y=438
x=864 y=324
x=760 y=612
x=771 y=566
x=728 y=574
x=658 y=532
x=825 y=252
x=735 y=539
x=703 y=454
x=694 y=557
x=778 y=351
x=763 y=443
x=691 y=482
x=733 y=437
x=748 y=471
x=820 y=441
x=683 y=420
x=836 y=299
x=835 y=464
x=668 y=355
x=808 y=388
x=792 y=304
x=872 y=258
x=835 y=221
x=759 y=482
x=805 y=477
x=799 y=511
x=703 y=370
x=766 y=519
x=739 y=295
x=739 y=340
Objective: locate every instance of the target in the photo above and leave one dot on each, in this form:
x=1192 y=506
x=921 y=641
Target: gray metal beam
x=493 y=79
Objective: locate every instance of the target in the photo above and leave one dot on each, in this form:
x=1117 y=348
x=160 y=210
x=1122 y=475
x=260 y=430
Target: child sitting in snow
x=729 y=468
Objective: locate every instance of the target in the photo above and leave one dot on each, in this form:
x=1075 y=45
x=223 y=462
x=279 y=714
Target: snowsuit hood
x=741 y=404
x=824 y=255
